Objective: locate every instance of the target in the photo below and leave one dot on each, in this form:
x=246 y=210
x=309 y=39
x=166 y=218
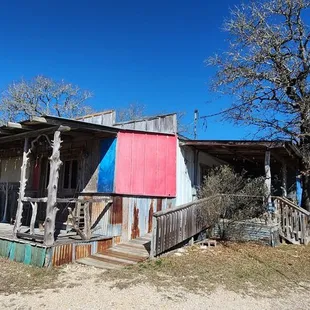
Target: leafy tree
x=267 y=69
x=42 y=96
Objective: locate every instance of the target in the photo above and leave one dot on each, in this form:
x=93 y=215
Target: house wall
x=188 y=180
x=146 y=164
x=125 y=216
x=10 y=169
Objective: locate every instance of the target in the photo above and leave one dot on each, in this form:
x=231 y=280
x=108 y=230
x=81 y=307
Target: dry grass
x=238 y=267
x=245 y=267
x=19 y=278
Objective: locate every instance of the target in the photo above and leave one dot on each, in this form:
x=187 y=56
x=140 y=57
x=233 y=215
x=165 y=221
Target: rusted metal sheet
x=82 y=250
x=138 y=214
x=62 y=254
x=135 y=231
x=103 y=245
x=146 y=164
x=150 y=219
x=116 y=212
x=159 y=204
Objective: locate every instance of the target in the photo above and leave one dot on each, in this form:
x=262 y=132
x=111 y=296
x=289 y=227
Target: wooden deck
x=123 y=254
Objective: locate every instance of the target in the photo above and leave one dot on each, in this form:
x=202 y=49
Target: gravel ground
x=80 y=289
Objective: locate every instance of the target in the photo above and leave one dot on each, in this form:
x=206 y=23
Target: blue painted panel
x=107 y=165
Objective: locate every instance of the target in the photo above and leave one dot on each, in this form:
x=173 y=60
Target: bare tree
x=42 y=96
x=267 y=68
x=133 y=112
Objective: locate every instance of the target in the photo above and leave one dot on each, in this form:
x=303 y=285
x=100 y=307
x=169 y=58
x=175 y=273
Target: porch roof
x=45 y=124
x=231 y=151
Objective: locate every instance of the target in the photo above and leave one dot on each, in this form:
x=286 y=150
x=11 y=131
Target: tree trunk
x=305 y=163
x=305 y=201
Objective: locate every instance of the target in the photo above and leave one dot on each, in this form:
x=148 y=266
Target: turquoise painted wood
x=27 y=259
x=107 y=165
x=4 y=248
x=23 y=253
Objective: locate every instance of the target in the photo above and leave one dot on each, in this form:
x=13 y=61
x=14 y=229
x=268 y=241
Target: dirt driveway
x=228 y=277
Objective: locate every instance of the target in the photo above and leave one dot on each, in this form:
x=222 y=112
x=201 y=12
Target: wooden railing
x=293 y=221
x=174 y=226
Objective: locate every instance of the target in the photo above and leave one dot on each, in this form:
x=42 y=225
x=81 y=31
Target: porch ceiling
x=251 y=151
x=43 y=125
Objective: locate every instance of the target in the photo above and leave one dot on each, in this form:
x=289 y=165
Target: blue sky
x=150 y=52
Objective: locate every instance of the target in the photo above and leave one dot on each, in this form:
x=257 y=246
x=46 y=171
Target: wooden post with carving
x=87 y=228
x=22 y=188
x=51 y=208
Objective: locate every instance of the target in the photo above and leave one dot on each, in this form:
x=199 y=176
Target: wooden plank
x=6 y=203
x=87 y=224
x=268 y=176
x=34 y=206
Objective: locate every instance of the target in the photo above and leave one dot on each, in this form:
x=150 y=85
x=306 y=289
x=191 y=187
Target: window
x=70 y=174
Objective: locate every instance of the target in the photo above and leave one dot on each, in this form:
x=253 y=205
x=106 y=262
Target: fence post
x=154 y=238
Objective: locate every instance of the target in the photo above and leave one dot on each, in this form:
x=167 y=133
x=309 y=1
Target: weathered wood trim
x=34 y=206
x=28 y=134
x=51 y=207
x=154 y=238
x=6 y=203
x=284 y=179
x=268 y=175
x=22 y=187
x=87 y=224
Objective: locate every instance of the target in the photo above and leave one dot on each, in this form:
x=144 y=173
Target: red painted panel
x=150 y=161
x=138 y=163
x=161 y=164
x=171 y=165
x=146 y=164
x=123 y=163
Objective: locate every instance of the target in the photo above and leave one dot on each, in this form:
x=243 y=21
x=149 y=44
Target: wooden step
x=131 y=251
x=91 y=261
x=113 y=260
x=125 y=256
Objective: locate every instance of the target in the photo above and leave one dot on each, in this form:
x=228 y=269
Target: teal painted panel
x=28 y=250
x=20 y=252
x=4 y=248
x=38 y=256
x=12 y=250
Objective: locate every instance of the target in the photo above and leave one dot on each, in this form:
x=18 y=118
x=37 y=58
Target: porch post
x=268 y=178
x=284 y=179
x=22 y=187
x=51 y=207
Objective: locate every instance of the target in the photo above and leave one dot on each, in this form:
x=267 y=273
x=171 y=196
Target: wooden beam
x=22 y=187
x=28 y=134
x=18 y=126
x=51 y=208
x=38 y=119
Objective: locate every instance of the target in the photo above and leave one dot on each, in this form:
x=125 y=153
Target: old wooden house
x=72 y=188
